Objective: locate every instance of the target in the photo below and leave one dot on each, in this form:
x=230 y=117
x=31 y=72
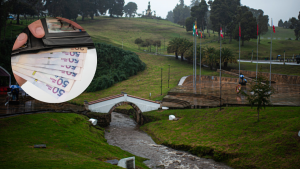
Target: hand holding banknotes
x=37 y=30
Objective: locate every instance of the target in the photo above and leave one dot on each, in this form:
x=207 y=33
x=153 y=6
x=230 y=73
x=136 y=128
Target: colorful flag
x=273 y=26
x=201 y=33
x=240 y=32
x=257 y=29
x=221 y=34
x=196 y=28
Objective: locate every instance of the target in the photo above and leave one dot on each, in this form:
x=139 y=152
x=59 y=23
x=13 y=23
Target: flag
x=273 y=26
x=221 y=32
x=196 y=28
x=240 y=32
x=201 y=33
x=257 y=29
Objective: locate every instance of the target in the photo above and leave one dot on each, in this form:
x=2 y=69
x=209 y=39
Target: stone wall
x=211 y=78
x=103 y=119
x=278 y=78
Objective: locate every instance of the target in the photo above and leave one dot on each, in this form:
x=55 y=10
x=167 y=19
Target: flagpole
x=193 y=55
x=200 y=64
x=271 y=49
x=220 y=63
x=239 y=50
x=257 y=52
x=196 y=62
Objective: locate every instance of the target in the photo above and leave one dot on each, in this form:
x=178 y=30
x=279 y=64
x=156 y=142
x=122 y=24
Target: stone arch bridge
x=108 y=105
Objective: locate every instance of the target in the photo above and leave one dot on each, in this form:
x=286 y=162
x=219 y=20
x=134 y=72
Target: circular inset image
x=54 y=60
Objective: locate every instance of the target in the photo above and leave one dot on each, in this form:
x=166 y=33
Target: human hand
x=37 y=30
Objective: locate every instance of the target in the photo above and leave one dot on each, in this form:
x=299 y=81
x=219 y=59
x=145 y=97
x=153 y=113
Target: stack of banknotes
x=54 y=71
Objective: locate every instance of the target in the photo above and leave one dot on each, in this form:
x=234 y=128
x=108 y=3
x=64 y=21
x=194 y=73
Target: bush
x=5 y=55
x=114 y=65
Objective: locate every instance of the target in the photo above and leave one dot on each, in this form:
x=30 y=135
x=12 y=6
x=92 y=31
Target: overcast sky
x=276 y=9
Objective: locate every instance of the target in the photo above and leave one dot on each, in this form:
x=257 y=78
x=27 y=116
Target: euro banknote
x=56 y=67
x=62 y=73
x=53 y=80
x=68 y=55
x=47 y=61
x=55 y=92
x=77 y=49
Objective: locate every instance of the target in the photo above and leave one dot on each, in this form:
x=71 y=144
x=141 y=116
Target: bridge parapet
x=108 y=104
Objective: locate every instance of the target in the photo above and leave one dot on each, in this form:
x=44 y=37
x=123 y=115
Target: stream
x=125 y=133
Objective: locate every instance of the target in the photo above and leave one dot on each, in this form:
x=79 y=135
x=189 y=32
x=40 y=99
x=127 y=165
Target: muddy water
x=124 y=133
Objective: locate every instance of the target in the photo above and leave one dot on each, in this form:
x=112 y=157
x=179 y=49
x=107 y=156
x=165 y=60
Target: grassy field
x=71 y=143
x=148 y=81
x=233 y=135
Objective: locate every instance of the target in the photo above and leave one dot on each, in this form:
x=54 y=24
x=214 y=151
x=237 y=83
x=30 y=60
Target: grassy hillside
x=113 y=30
x=70 y=139
x=233 y=135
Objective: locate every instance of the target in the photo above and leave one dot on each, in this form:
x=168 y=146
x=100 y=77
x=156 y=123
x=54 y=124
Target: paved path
x=274 y=62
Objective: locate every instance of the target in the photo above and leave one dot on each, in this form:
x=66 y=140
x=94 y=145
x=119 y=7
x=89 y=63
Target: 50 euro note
x=47 y=61
x=56 y=67
x=68 y=55
x=77 y=49
x=53 y=80
x=55 y=92
x=62 y=73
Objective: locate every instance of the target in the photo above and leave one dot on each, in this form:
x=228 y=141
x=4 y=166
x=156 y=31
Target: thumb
x=36 y=28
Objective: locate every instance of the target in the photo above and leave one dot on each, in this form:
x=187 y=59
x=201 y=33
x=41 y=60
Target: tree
x=194 y=3
x=262 y=21
x=227 y=56
x=173 y=46
x=184 y=46
x=222 y=13
x=248 y=25
x=210 y=56
x=295 y=24
x=189 y=23
x=200 y=12
x=22 y=7
x=259 y=93
x=130 y=8
x=180 y=13
x=4 y=11
x=116 y=7
x=170 y=16
x=138 y=41
x=280 y=23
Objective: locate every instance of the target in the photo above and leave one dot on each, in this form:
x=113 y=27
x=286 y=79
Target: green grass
x=233 y=132
x=148 y=81
x=71 y=143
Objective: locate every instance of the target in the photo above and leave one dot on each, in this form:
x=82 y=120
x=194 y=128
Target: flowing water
x=125 y=133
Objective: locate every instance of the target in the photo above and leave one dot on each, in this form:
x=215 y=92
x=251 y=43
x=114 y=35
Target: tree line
x=292 y=23
x=69 y=9
x=210 y=55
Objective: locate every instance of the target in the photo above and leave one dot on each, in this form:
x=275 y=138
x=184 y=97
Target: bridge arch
x=108 y=105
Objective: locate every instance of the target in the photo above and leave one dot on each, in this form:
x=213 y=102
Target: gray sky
x=276 y=9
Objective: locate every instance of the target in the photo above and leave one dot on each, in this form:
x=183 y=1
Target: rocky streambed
x=125 y=133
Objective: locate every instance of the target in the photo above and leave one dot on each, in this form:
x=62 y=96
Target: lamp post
x=161 y=82
x=284 y=57
x=169 y=76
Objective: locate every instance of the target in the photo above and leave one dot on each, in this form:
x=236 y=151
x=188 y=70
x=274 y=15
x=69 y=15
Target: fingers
x=20 y=41
x=71 y=22
x=36 y=28
x=20 y=80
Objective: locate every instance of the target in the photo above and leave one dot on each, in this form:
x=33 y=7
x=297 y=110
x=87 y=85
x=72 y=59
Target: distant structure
x=149 y=13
